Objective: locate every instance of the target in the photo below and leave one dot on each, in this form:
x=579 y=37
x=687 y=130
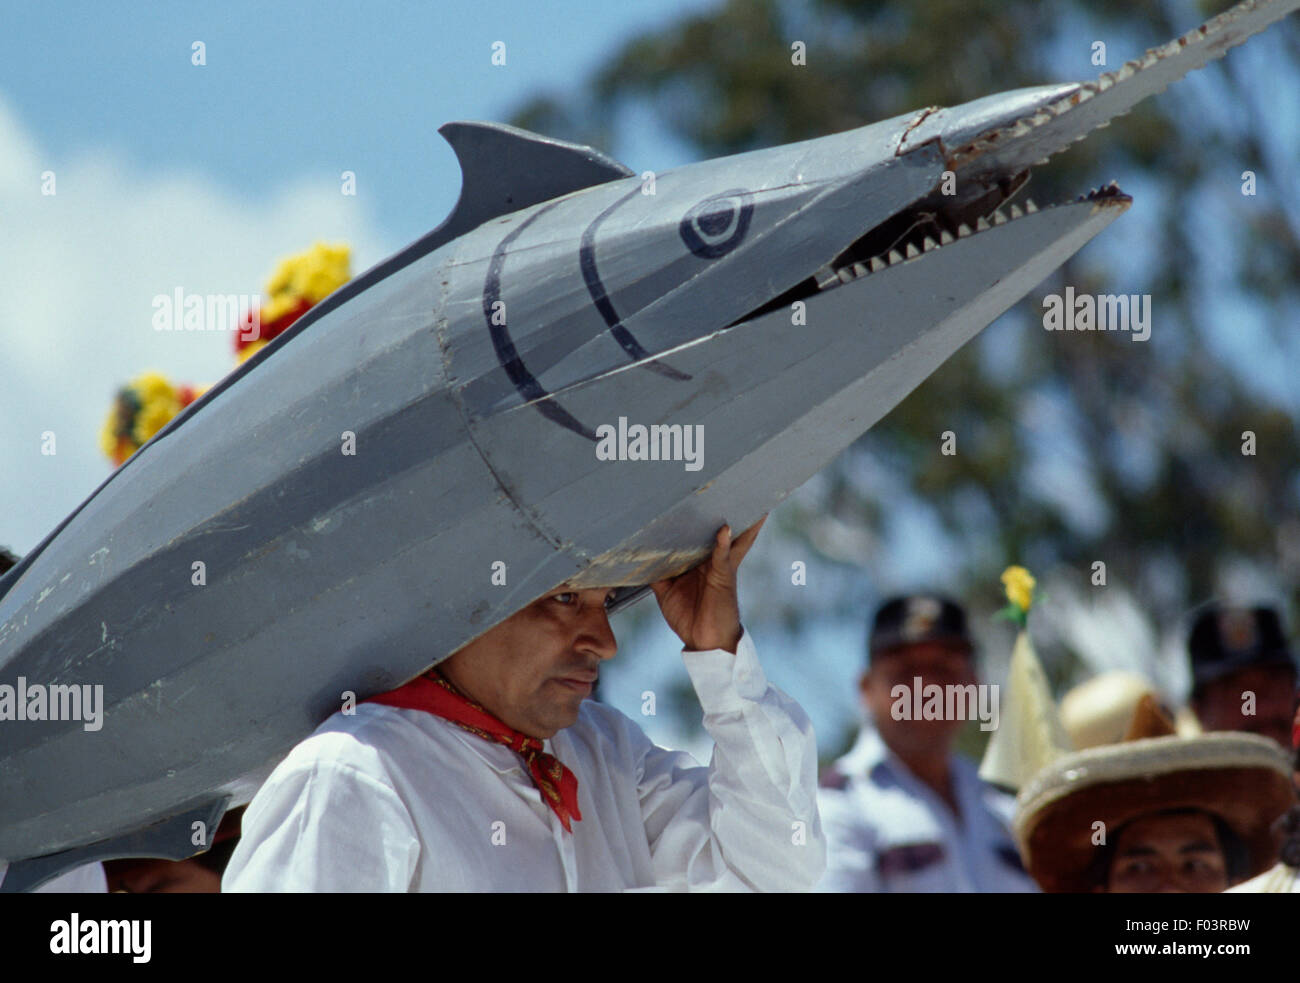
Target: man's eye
x=568 y=597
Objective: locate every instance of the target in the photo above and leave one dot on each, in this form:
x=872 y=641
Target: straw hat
x=1243 y=779
x=1102 y=710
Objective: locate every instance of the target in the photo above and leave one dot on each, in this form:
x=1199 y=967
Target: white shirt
x=1278 y=879
x=391 y=799
x=887 y=831
x=86 y=879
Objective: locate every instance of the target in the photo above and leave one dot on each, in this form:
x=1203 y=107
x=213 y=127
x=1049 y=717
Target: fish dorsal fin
x=504 y=169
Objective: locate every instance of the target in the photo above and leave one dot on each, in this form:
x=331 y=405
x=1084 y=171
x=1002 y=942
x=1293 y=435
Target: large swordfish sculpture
x=476 y=370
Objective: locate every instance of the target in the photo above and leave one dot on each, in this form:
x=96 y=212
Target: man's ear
x=866 y=681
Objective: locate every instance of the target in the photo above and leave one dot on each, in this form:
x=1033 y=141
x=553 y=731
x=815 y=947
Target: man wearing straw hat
x=1153 y=812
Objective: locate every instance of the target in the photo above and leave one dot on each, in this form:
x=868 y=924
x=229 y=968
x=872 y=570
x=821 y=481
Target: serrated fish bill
x=1035 y=139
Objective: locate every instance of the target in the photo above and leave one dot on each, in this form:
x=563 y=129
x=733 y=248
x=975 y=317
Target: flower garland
x=299 y=283
x=148 y=402
x=140 y=409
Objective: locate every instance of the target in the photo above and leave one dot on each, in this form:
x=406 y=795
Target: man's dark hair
x=1236 y=858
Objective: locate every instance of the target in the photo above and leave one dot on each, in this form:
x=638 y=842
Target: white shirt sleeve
x=323 y=825
x=749 y=820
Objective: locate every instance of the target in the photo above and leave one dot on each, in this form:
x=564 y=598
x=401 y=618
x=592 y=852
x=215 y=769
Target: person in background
x=1243 y=673
x=901 y=811
x=1284 y=876
x=1155 y=812
x=200 y=874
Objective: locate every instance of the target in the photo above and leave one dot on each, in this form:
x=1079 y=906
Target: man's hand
x=700 y=605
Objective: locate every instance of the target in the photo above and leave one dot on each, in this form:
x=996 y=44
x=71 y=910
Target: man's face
x=937 y=663
x=534 y=669
x=1221 y=704
x=1178 y=854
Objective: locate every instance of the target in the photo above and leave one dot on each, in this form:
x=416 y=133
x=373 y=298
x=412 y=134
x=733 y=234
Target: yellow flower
x=308 y=276
x=1020 y=587
x=244 y=353
x=159 y=402
x=108 y=434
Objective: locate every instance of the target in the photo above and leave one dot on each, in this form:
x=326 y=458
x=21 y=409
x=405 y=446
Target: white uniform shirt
x=391 y=799
x=887 y=831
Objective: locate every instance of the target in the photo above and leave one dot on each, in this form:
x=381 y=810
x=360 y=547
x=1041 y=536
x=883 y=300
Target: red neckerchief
x=435 y=694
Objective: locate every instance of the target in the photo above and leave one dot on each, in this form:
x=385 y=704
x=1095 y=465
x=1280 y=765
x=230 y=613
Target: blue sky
x=296 y=89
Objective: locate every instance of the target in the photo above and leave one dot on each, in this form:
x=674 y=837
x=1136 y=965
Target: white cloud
x=78 y=273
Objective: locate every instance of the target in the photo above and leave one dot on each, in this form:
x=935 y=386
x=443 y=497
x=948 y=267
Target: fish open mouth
x=994 y=165
x=932 y=224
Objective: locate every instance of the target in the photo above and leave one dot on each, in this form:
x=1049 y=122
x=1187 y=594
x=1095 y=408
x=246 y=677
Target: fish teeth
x=928 y=244
x=981 y=224
x=912 y=251
x=1016 y=212
x=945 y=237
x=998 y=217
x=825 y=277
x=845 y=275
x=877 y=264
x=1030 y=207
x=895 y=257
x=963 y=230
x=859 y=269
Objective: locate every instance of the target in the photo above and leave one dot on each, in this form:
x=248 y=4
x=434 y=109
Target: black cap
x=1225 y=639
x=918 y=618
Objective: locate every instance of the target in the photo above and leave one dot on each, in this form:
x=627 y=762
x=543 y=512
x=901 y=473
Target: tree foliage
x=1072 y=447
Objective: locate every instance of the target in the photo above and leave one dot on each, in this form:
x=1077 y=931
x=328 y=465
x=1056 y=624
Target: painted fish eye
x=717 y=225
